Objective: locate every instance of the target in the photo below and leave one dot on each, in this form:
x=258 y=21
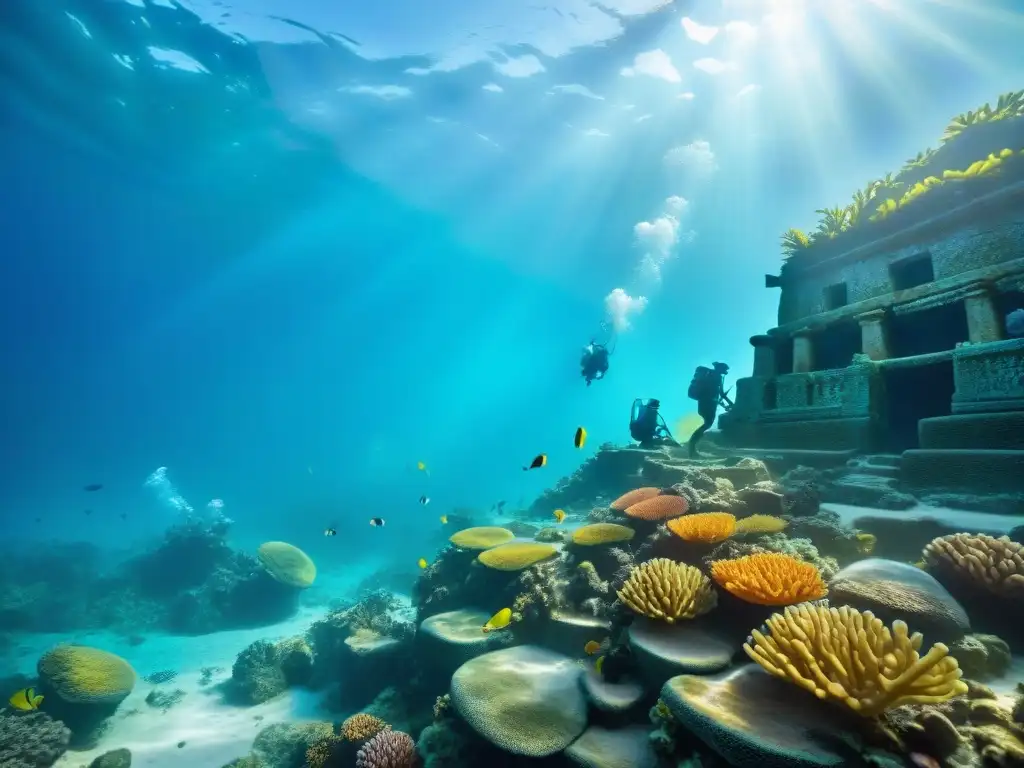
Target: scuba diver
x=594 y=362
x=707 y=388
x=646 y=425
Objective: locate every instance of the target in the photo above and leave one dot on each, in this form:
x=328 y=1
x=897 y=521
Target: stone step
x=878 y=470
x=973 y=470
x=883 y=459
x=791 y=457
x=987 y=431
x=868 y=491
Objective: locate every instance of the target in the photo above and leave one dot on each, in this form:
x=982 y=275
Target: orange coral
x=362 y=726
x=706 y=527
x=627 y=500
x=769 y=578
x=658 y=508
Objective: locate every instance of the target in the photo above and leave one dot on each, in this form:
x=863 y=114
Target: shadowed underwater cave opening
x=912 y=393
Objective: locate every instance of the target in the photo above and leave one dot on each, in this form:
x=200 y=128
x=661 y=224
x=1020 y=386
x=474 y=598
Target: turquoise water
x=287 y=250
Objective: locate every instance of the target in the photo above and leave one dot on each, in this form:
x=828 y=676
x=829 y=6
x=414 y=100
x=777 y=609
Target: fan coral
x=83 y=675
x=996 y=565
x=852 y=657
x=658 y=508
x=706 y=527
x=287 y=564
x=769 y=579
x=517 y=556
x=666 y=590
x=361 y=727
x=601 y=533
x=388 y=749
x=483 y=537
x=760 y=524
x=627 y=500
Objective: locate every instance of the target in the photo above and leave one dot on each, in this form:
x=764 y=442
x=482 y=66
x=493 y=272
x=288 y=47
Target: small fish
x=424 y=500
x=26 y=699
x=501 y=506
x=591 y=647
x=421 y=466
x=866 y=543
x=581 y=437
x=92 y=487
x=332 y=531
x=559 y=515
x=444 y=519
x=599 y=664
x=422 y=562
x=500 y=620
x=539 y=461
x=377 y=522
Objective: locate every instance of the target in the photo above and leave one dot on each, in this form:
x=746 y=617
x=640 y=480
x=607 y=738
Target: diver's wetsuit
x=707 y=408
x=594 y=363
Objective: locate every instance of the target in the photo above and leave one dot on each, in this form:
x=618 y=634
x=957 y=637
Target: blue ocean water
x=289 y=250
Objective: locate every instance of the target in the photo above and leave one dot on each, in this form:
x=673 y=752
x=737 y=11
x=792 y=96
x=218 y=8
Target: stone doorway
x=913 y=392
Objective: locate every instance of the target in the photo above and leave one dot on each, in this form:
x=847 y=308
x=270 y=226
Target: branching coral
x=705 y=527
x=666 y=590
x=388 y=749
x=769 y=579
x=658 y=508
x=361 y=727
x=852 y=657
x=996 y=565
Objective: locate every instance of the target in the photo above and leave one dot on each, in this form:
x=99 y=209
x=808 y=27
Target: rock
x=893 y=590
x=551 y=535
x=452 y=638
x=665 y=650
x=118 y=758
x=31 y=739
x=567 y=633
x=628 y=747
x=981 y=657
x=256 y=675
x=762 y=501
x=868 y=491
x=525 y=700
x=620 y=696
x=284 y=745
x=754 y=720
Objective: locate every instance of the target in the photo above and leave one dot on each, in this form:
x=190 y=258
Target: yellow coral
x=852 y=657
x=287 y=564
x=705 y=527
x=361 y=726
x=760 y=524
x=483 y=537
x=601 y=533
x=319 y=754
x=83 y=675
x=769 y=578
x=666 y=590
x=996 y=565
x=516 y=556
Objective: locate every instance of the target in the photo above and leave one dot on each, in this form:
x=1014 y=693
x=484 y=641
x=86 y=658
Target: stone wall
x=989 y=377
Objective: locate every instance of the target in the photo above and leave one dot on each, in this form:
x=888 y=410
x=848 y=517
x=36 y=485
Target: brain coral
x=627 y=500
x=483 y=537
x=601 y=533
x=666 y=590
x=287 y=564
x=525 y=700
x=362 y=726
x=705 y=528
x=758 y=524
x=388 y=749
x=82 y=675
x=658 y=508
x=769 y=578
x=996 y=565
x=852 y=657
x=516 y=556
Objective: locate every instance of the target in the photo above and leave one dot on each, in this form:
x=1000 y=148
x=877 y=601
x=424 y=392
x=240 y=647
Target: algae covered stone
x=526 y=700
x=754 y=720
x=627 y=747
x=482 y=537
x=664 y=650
x=80 y=674
x=620 y=696
x=516 y=556
x=601 y=533
x=287 y=564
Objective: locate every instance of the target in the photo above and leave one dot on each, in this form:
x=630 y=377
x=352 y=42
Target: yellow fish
x=26 y=699
x=866 y=543
x=591 y=648
x=580 y=438
x=422 y=562
x=444 y=519
x=559 y=515
x=599 y=664
x=500 y=620
x=421 y=466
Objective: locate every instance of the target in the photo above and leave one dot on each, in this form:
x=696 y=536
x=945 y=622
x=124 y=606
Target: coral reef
x=666 y=590
x=287 y=564
x=516 y=556
x=31 y=740
x=388 y=749
x=264 y=670
x=996 y=565
x=769 y=579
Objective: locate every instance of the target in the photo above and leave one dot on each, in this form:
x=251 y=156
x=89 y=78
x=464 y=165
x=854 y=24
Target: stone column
x=764 y=355
x=874 y=336
x=803 y=352
x=983 y=321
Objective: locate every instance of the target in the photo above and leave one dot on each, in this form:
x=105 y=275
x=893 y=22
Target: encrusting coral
x=601 y=533
x=627 y=500
x=388 y=749
x=658 y=508
x=704 y=527
x=769 y=578
x=666 y=590
x=852 y=657
x=996 y=565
